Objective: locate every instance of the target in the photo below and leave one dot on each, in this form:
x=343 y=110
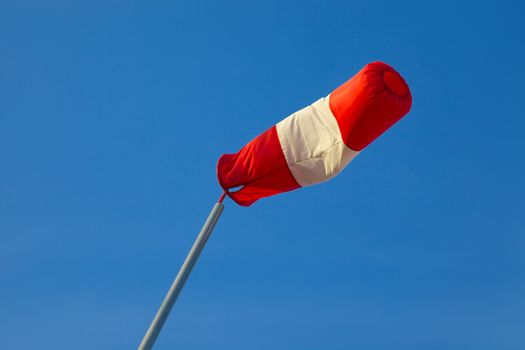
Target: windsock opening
x=395 y=83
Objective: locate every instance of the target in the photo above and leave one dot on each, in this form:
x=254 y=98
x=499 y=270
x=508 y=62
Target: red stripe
x=260 y=167
x=369 y=103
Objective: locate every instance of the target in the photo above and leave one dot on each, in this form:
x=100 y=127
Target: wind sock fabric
x=315 y=143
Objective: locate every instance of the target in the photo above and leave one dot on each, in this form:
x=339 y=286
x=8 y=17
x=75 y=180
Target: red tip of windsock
x=370 y=103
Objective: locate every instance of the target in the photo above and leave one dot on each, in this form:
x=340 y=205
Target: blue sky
x=112 y=117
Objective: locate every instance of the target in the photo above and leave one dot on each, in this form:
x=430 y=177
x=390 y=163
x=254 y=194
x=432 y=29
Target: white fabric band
x=312 y=144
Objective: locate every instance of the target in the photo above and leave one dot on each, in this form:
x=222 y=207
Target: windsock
x=315 y=143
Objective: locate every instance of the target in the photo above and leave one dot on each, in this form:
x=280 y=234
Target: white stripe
x=312 y=144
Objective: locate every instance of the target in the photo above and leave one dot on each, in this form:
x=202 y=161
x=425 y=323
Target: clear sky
x=113 y=115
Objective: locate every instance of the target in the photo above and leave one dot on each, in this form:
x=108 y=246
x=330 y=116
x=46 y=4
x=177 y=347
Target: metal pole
x=184 y=272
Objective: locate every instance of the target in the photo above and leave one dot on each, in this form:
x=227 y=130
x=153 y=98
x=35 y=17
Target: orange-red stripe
x=260 y=167
x=369 y=104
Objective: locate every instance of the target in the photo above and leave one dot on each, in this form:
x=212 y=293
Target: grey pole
x=184 y=272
